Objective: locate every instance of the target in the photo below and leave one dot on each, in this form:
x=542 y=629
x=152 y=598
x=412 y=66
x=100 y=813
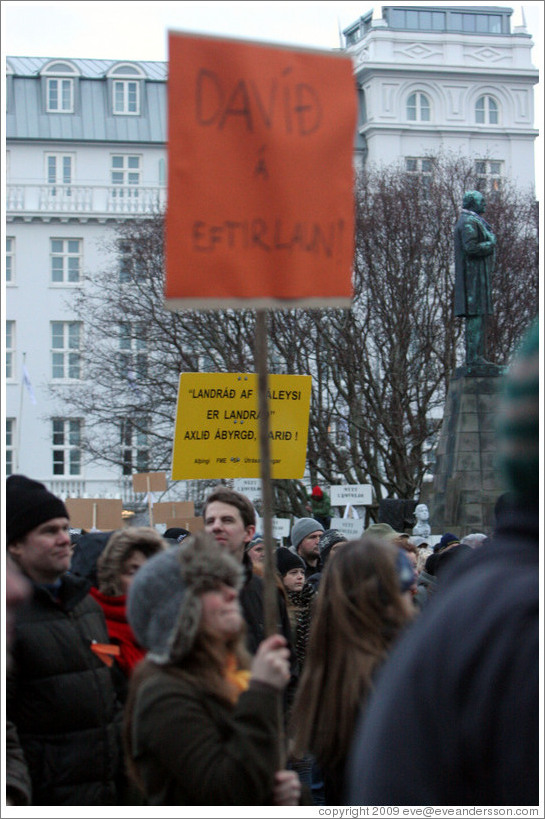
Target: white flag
x=28 y=385
x=351 y=512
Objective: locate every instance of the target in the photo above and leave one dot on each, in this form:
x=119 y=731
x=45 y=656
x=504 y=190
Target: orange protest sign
x=260 y=183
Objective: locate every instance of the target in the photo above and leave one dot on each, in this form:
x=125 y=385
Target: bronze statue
x=475 y=256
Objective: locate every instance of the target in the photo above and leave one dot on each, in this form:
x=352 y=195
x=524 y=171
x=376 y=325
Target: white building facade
x=452 y=78
x=86 y=148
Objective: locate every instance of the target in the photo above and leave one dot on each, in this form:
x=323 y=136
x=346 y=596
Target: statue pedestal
x=466 y=483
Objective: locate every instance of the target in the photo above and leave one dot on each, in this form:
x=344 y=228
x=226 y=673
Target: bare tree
x=380 y=370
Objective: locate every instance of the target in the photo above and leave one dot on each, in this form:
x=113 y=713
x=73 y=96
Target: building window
x=418 y=107
x=10 y=259
x=486 y=111
x=10 y=349
x=67 y=446
x=134 y=448
x=416 y=20
x=10 y=446
x=488 y=174
x=58 y=169
x=126 y=88
x=133 y=357
x=66 y=349
x=468 y=21
x=131 y=264
x=420 y=168
x=358 y=30
x=60 y=96
x=125 y=175
x=126 y=97
x=66 y=258
x=59 y=87
x=162 y=172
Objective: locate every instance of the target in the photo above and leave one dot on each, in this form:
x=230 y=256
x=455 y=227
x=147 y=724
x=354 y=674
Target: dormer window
x=126 y=80
x=59 y=90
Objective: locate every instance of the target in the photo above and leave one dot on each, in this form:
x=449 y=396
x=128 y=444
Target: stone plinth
x=466 y=483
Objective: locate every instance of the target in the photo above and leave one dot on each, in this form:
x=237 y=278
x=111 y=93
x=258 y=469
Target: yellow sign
x=217 y=426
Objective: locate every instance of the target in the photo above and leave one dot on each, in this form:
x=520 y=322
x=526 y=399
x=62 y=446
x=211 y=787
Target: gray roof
x=93 y=69
x=92 y=119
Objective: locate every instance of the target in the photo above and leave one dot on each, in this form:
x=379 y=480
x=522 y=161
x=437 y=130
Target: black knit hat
x=286 y=560
x=28 y=504
x=328 y=540
x=177 y=533
x=447 y=540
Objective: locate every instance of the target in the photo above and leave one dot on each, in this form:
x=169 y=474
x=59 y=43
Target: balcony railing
x=92 y=201
x=95 y=488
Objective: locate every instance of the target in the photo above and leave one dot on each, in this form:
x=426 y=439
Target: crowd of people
x=140 y=670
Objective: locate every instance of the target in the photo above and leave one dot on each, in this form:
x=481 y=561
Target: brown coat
x=191 y=748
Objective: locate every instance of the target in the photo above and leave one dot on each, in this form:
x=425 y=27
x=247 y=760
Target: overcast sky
x=137 y=30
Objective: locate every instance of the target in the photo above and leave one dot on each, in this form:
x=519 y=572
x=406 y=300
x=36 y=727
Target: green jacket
x=321 y=507
x=191 y=748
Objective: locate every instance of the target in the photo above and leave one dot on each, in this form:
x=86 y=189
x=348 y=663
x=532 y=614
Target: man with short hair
x=229 y=517
x=305 y=542
x=60 y=691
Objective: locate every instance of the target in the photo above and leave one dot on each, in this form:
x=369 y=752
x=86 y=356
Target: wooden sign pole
x=270 y=600
x=270 y=592
x=150 y=507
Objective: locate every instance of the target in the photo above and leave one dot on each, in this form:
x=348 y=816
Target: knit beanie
x=317 y=493
x=448 y=539
x=329 y=539
x=164 y=601
x=518 y=423
x=253 y=542
x=29 y=504
x=286 y=560
x=302 y=528
x=176 y=533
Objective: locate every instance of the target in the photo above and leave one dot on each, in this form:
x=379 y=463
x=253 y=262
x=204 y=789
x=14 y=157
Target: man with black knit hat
x=61 y=697
x=468 y=734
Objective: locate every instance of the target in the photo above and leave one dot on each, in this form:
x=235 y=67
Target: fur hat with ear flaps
x=164 y=601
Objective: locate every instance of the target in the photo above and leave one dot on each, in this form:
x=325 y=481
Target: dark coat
x=192 y=748
x=466 y=730
x=61 y=698
x=251 y=603
x=86 y=553
x=474 y=257
x=18 y=785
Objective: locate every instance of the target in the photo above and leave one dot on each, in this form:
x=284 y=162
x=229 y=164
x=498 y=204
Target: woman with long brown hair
x=201 y=725
x=363 y=604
